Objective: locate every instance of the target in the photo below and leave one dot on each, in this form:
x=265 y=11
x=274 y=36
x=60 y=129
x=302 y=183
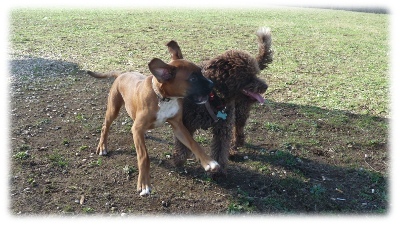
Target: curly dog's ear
x=175 y=50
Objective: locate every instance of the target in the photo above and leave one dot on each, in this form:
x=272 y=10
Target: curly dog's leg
x=181 y=152
x=242 y=113
x=222 y=136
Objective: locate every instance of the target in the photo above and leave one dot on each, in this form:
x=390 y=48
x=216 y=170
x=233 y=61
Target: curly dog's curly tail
x=265 y=52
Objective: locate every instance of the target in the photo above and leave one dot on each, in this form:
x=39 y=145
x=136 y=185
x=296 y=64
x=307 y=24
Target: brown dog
x=153 y=100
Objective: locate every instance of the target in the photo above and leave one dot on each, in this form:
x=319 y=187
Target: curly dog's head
x=234 y=74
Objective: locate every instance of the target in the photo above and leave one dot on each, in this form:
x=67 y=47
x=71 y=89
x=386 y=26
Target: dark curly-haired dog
x=236 y=88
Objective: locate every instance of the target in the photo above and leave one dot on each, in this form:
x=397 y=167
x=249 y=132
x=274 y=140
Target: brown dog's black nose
x=210 y=84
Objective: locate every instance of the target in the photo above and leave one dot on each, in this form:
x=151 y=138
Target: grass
x=57 y=159
x=88 y=210
x=65 y=142
x=272 y=127
x=129 y=169
x=21 y=155
x=83 y=148
x=241 y=204
x=338 y=66
x=317 y=190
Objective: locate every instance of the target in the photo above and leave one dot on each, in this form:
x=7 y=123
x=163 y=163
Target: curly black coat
x=236 y=88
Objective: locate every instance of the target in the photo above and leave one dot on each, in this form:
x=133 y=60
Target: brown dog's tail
x=265 y=52
x=114 y=74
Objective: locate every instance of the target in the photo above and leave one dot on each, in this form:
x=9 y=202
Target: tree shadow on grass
x=33 y=67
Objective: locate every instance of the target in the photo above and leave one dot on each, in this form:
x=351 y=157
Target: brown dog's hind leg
x=114 y=104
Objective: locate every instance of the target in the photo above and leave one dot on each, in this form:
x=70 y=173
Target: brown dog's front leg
x=143 y=184
x=183 y=135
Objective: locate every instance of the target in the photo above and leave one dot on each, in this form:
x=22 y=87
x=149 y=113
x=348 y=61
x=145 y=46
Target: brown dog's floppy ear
x=175 y=50
x=161 y=70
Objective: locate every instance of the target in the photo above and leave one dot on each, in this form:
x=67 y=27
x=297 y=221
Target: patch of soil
x=55 y=128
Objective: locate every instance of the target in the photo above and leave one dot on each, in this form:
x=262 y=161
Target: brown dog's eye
x=192 y=78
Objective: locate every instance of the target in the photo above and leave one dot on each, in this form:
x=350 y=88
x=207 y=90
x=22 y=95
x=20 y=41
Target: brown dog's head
x=181 y=78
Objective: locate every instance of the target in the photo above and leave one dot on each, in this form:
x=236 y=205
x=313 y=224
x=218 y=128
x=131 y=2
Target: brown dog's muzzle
x=200 y=88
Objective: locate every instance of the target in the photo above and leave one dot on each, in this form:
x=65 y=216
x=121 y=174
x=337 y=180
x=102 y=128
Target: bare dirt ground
x=55 y=127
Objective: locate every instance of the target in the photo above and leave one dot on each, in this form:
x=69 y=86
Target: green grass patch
x=342 y=65
x=128 y=170
x=317 y=190
x=21 y=155
x=83 y=148
x=273 y=127
x=201 y=139
x=57 y=159
x=242 y=204
x=65 y=142
x=24 y=147
x=88 y=210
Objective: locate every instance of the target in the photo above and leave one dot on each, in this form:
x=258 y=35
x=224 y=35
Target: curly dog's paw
x=179 y=159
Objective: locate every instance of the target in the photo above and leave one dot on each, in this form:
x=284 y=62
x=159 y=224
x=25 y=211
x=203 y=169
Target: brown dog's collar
x=215 y=98
x=220 y=109
x=211 y=112
x=160 y=97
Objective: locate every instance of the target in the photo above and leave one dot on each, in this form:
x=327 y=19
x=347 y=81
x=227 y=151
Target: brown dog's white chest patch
x=167 y=110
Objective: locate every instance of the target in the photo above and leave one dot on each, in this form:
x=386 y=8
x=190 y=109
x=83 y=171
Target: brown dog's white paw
x=145 y=192
x=101 y=151
x=213 y=166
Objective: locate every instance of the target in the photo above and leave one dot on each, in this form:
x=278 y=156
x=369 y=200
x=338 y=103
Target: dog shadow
x=276 y=178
